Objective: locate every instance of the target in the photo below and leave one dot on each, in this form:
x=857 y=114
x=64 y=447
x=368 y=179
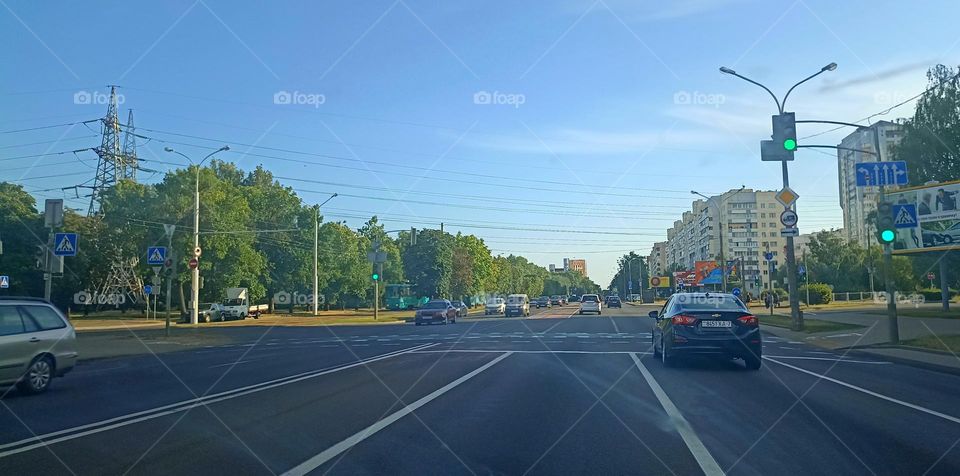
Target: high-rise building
x=578 y=265
x=859 y=202
x=657 y=261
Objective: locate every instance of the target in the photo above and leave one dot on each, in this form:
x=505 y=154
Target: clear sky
x=514 y=116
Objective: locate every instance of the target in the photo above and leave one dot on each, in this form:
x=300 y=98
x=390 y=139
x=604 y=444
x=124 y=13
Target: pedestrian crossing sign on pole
x=65 y=244
x=156 y=255
x=905 y=215
x=4 y=282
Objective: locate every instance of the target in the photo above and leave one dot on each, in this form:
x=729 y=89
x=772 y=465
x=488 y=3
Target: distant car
x=495 y=306
x=573 y=298
x=543 y=301
x=211 y=312
x=437 y=310
x=556 y=301
x=710 y=324
x=590 y=303
x=37 y=343
x=614 y=301
x=462 y=308
x=517 y=305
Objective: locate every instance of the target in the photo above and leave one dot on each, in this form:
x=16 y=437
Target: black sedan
x=706 y=324
x=438 y=310
x=614 y=301
x=543 y=301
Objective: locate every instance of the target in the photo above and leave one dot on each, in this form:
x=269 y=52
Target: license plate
x=716 y=324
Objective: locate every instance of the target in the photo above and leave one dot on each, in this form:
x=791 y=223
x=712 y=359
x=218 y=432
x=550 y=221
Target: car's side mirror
x=654 y=314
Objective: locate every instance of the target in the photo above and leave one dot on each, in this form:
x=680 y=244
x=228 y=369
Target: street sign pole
x=792 y=270
x=893 y=327
x=172 y=259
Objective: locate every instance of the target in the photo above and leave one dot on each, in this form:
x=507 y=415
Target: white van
x=590 y=303
x=517 y=305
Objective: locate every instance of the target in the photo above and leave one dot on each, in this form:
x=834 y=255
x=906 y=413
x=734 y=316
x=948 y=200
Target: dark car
x=706 y=324
x=614 y=301
x=573 y=298
x=543 y=301
x=462 y=309
x=437 y=310
x=556 y=300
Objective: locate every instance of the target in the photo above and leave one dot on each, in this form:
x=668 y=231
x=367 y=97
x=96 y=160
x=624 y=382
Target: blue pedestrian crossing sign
x=156 y=255
x=65 y=244
x=905 y=215
x=801 y=269
x=4 y=282
x=736 y=292
x=147 y=289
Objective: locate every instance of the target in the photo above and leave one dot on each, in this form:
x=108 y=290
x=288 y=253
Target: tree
x=429 y=263
x=931 y=138
x=21 y=229
x=837 y=262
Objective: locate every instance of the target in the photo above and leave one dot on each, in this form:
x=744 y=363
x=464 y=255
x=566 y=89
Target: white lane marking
x=849 y=361
x=494 y=351
x=232 y=363
x=614 y=324
x=351 y=441
x=131 y=418
x=870 y=392
x=699 y=451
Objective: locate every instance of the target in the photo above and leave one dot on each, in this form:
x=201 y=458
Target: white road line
x=131 y=418
x=849 y=361
x=330 y=453
x=870 y=392
x=699 y=451
x=232 y=363
x=614 y=324
x=488 y=351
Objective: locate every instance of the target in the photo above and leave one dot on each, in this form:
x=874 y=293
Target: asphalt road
x=552 y=394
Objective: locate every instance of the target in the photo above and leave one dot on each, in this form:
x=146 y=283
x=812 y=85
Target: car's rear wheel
x=753 y=362
x=656 y=352
x=668 y=360
x=38 y=376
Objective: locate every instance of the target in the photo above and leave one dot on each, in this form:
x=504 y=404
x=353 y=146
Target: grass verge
x=949 y=343
x=810 y=326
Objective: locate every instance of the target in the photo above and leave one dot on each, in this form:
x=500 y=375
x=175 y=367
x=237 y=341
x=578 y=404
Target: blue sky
x=602 y=115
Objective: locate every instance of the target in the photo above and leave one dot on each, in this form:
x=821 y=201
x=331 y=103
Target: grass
x=950 y=343
x=810 y=326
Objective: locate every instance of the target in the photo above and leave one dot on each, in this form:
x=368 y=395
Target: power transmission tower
x=111 y=156
x=129 y=156
x=124 y=280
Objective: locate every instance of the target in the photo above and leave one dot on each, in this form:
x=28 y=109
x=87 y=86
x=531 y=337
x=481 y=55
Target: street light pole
x=791 y=253
x=195 y=273
x=316 y=254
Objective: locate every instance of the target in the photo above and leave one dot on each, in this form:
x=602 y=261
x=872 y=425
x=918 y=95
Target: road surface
x=553 y=394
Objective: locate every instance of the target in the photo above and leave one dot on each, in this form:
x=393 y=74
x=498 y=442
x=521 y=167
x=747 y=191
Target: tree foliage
x=931 y=138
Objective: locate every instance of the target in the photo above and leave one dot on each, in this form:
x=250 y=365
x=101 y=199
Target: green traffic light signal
x=887 y=236
x=790 y=144
x=376 y=277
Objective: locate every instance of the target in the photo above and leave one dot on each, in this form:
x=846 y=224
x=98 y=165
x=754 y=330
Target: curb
x=905 y=361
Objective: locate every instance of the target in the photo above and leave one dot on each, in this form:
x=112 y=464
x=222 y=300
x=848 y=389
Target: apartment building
x=859 y=202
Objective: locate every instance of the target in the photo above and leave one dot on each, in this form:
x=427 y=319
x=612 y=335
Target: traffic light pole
x=794 y=290
x=893 y=326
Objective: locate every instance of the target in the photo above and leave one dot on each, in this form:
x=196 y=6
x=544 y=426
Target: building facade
x=657 y=260
x=578 y=265
x=858 y=203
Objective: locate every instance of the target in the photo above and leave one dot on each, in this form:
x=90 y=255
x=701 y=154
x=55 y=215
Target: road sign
x=197 y=251
x=4 y=282
x=801 y=269
x=905 y=215
x=630 y=285
x=156 y=270
x=193 y=263
x=169 y=229
x=872 y=174
x=930 y=276
x=156 y=255
x=789 y=232
x=147 y=289
x=787 y=197
x=377 y=256
x=156 y=281
x=768 y=256
x=789 y=218
x=736 y=292
x=65 y=244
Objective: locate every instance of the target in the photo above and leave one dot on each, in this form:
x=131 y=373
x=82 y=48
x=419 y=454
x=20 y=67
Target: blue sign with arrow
x=768 y=255
x=65 y=244
x=872 y=174
x=736 y=292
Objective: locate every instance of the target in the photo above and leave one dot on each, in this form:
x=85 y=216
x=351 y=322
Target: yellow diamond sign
x=787 y=197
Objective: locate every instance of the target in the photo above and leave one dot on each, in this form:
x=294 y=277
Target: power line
x=47 y=127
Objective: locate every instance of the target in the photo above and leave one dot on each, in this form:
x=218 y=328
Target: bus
x=402 y=296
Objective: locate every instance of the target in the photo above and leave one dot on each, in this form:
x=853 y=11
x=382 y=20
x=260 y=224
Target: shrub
x=820 y=293
x=933 y=294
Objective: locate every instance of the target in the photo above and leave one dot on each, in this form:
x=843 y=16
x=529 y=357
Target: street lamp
x=791 y=253
x=723 y=260
x=195 y=285
x=316 y=253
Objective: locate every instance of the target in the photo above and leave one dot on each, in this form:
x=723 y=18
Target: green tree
x=429 y=263
x=21 y=229
x=931 y=138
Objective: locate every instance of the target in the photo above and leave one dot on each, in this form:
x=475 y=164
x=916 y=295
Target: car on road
x=212 y=311
x=37 y=343
x=517 y=305
x=706 y=324
x=495 y=306
x=614 y=301
x=556 y=301
x=462 y=308
x=590 y=303
x=573 y=298
x=543 y=301
x=436 y=311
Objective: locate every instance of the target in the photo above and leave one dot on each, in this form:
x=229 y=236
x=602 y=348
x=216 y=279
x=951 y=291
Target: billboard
x=927 y=218
x=660 y=281
x=708 y=272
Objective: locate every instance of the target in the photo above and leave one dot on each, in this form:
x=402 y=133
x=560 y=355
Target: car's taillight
x=750 y=320
x=684 y=320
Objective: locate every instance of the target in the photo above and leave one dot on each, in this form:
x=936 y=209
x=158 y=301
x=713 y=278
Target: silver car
x=37 y=343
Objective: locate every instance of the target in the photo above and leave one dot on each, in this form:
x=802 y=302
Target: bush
x=820 y=293
x=933 y=294
x=779 y=292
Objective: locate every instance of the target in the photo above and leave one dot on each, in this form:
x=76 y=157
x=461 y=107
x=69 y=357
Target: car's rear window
x=44 y=317
x=515 y=299
x=709 y=303
x=590 y=299
x=435 y=305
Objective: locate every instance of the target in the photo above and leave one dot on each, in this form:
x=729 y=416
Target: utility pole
x=316 y=255
x=893 y=326
x=169 y=229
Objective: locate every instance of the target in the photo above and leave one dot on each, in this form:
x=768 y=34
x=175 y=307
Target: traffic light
x=785 y=131
x=376 y=277
x=886 y=232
